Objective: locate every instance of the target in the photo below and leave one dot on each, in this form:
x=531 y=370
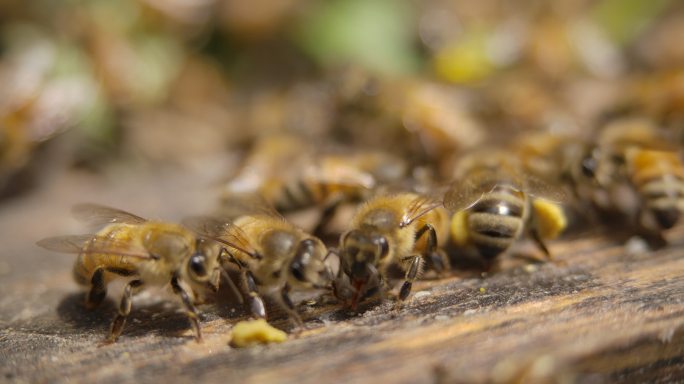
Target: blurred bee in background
x=439 y=119
x=414 y=118
x=635 y=171
x=37 y=103
x=146 y=253
x=658 y=95
x=398 y=229
x=494 y=203
x=291 y=176
x=272 y=255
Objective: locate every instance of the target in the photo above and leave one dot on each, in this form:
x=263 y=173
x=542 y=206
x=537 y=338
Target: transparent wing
x=208 y=226
x=221 y=230
x=65 y=244
x=92 y=244
x=99 y=215
x=499 y=170
x=248 y=205
x=462 y=194
x=556 y=192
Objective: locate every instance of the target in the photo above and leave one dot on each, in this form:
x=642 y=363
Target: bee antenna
x=232 y=285
x=408 y=220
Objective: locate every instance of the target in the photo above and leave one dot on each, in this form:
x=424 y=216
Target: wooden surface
x=596 y=314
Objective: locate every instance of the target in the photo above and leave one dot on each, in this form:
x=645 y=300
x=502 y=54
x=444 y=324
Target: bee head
x=599 y=166
x=308 y=265
x=361 y=253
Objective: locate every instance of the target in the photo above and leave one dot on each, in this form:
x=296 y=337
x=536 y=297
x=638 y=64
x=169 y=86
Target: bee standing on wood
x=387 y=229
x=147 y=253
x=494 y=204
x=273 y=255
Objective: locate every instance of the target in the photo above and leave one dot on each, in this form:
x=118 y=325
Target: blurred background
x=148 y=105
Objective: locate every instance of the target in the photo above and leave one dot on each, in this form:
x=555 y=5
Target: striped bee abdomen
x=658 y=176
x=299 y=194
x=496 y=221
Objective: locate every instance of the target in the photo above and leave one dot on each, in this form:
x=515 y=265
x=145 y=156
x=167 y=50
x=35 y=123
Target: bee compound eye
x=197 y=265
x=383 y=246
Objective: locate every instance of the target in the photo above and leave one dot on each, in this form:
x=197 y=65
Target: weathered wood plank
x=594 y=313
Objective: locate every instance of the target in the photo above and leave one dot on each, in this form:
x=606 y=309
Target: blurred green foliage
x=376 y=34
x=623 y=20
x=142 y=77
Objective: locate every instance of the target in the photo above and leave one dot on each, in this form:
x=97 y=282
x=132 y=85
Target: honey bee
x=290 y=177
x=387 y=229
x=147 y=253
x=494 y=203
x=272 y=255
x=634 y=170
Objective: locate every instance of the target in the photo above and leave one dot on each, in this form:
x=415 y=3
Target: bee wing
x=65 y=244
x=91 y=244
x=221 y=230
x=248 y=205
x=462 y=194
x=99 y=215
x=207 y=226
x=418 y=207
x=537 y=187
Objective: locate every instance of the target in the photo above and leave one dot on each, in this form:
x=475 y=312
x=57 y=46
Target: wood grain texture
x=595 y=314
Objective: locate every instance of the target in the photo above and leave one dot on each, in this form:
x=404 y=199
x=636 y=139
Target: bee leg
x=124 y=310
x=534 y=235
x=189 y=307
x=98 y=291
x=415 y=264
x=440 y=261
x=256 y=303
x=437 y=260
x=286 y=303
x=327 y=215
x=378 y=287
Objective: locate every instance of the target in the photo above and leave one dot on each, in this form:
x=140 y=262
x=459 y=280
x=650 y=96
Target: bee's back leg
x=124 y=310
x=98 y=290
x=534 y=235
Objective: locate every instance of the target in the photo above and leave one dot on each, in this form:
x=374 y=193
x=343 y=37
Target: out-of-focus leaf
x=376 y=34
x=159 y=62
x=625 y=19
x=73 y=74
